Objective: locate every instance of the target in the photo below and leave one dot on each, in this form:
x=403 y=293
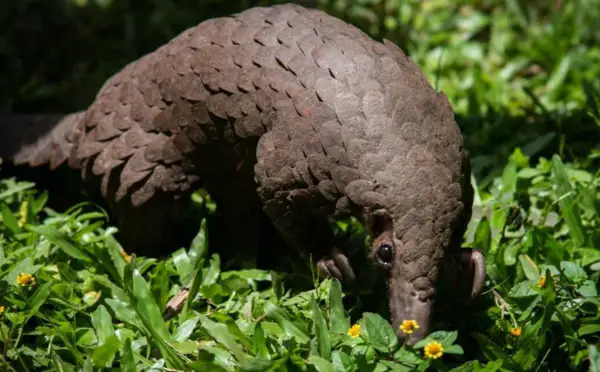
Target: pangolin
x=287 y=112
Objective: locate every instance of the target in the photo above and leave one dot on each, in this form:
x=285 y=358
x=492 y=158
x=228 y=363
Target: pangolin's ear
x=379 y=221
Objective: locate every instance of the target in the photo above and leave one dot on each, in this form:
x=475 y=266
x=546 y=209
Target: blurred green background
x=517 y=72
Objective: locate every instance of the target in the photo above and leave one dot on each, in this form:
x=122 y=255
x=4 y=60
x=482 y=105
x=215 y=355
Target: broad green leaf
x=341 y=361
x=497 y=224
x=220 y=358
x=212 y=273
x=199 y=246
x=588 y=329
x=529 y=173
x=529 y=267
x=88 y=366
x=88 y=338
x=259 y=343
x=587 y=289
x=409 y=357
x=124 y=312
x=102 y=323
x=443 y=337
x=588 y=255
x=197 y=280
x=322 y=332
x=396 y=367
x=160 y=284
x=338 y=321
x=379 y=332
x=321 y=364
x=511 y=252
x=127 y=358
x=63 y=241
x=104 y=354
x=454 y=349
x=295 y=329
x=221 y=334
x=594 y=358
x=22 y=186
x=114 y=250
x=185 y=329
x=24 y=266
x=185 y=347
x=249 y=274
x=523 y=289
x=39 y=297
x=9 y=219
x=182 y=264
x=573 y=272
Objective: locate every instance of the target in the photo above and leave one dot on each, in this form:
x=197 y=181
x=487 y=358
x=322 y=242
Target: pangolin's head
x=418 y=226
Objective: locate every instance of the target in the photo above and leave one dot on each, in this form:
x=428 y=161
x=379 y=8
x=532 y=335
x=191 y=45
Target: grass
x=521 y=80
x=92 y=305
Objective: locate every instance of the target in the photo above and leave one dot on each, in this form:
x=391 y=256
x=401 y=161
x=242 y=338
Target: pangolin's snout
x=407 y=304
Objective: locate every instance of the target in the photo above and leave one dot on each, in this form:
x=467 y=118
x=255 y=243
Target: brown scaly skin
x=293 y=113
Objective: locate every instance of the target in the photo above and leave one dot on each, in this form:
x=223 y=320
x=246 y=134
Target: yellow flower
x=434 y=350
x=26 y=279
x=125 y=256
x=541 y=281
x=515 y=331
x=354 y=331
x=409 y=326
x=2 y=309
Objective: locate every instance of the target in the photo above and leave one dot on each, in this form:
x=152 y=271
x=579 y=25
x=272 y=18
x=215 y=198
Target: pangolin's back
x=230 y=80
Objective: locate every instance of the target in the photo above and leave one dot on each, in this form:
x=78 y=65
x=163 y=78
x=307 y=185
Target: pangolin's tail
x=37 y=139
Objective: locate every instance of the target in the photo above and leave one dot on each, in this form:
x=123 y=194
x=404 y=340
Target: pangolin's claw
x=473 y=264
x=336 y=265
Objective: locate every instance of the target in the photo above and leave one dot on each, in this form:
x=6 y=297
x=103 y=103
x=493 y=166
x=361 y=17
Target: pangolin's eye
x=385 y=252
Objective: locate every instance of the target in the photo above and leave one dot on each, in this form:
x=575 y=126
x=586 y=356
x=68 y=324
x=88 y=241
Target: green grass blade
x=567 y=203
x=146 y=305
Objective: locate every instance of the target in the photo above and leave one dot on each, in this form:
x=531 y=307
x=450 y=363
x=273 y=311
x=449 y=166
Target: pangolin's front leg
x=312 y=234
x=300 y=213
